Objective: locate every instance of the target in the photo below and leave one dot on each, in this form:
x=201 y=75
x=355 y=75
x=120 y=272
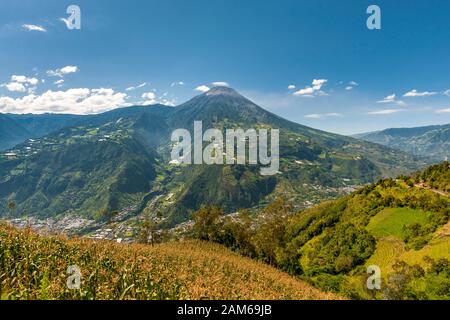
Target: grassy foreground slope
x=35 y=267
x=401 y=225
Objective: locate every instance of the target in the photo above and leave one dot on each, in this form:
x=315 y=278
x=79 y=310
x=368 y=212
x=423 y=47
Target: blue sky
x=344 y=74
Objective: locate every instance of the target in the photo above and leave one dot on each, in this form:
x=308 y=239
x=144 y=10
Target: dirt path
x=422 y=186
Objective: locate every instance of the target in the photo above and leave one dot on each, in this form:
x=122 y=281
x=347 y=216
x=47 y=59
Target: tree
x=12 y=207
x=208 y=223
x=149 y=229
x=237 y=234
x=269 y=237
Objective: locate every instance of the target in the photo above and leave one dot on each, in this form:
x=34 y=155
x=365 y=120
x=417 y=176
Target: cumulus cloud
x=446 y=92
x=14 y=87
x=76 y=101
x=202 y=88
x=304 y=92
x=34 y=27
x=62 y=71
x=313 y=90
x=291 y=87
x=391 y=99
x=322 y=115
x=150 y=98
x=415 y=93
x=21 y=84
x=24 y=79
x=220 y=84
x=385 y=111
x=143 y=84
x=169 y=103
x=348 y=88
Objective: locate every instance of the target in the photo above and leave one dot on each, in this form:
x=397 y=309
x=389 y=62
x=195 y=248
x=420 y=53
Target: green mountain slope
x=315 y=165
x=396 y=224
x=16 y=128
x=84 y=178
x=430 y=141
x=11 y=133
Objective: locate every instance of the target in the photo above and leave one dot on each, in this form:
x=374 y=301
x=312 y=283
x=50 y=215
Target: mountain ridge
x=431 y=141
x=315 y=165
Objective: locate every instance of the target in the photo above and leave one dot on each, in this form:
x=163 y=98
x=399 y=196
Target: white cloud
x=59 y=83
x=313 y=116
x=385 y=111
x=69 y=69
x=169 y=103
x=291 y=87
x=317 y=84
x=446 y=92
x=322 y=115
x=220 y=84
x=202 y=88
x=31 y=90
x=76 y=101
x=313 y=90
x=63 y=71
x=24 y=79
x=443 y=110
x=415 y=93
x=14 y=87
x=148 y=95
x=388 y=99
x=150 y=99
x=333 y=114
x=306 y=91
x=34 y=27
x=391 y=99
x=143 y=84
x=21 y=84
x=178 y=83
x=351 y=85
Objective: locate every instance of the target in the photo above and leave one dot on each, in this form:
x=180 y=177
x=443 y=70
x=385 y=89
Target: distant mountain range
x=98 y=164
x=429 y=141
x=16 y=128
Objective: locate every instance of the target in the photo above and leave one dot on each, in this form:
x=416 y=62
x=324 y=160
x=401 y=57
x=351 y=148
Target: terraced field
x=387 y=227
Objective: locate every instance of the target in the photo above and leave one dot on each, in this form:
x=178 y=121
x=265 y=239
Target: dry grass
x=35 y=267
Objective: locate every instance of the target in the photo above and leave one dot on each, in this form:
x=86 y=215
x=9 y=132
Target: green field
x=437 y=248
x=390 y=222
